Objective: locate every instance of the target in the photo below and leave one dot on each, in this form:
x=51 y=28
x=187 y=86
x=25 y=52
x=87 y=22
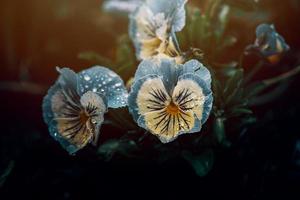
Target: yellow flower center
x=83 y=117
x=172 y=109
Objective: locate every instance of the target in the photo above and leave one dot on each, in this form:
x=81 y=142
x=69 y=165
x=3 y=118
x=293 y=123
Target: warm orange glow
x=274 y=59
x=172 y=109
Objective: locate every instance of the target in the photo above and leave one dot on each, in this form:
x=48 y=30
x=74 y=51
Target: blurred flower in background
x=269 y=43
x=153 y=26
x=121 y=6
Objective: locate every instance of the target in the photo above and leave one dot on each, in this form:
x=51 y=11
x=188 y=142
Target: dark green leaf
x=6 y=172
x=219 y=129
x=113 y=146
x=202 y=163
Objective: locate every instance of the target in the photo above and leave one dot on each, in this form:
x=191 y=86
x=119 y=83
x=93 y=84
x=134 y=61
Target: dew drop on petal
x=118 y=84
x=87 y=78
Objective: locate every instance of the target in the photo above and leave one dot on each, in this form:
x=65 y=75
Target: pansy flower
x=170 y=99
x=121 y=6
x=75 y=105
x=269 y=43
x=153 y=26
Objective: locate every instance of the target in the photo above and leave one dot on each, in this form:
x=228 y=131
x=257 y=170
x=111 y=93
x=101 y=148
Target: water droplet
x=87 y=78
x=94 y=89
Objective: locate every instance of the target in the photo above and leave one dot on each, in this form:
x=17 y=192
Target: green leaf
x=202 y=163
x=219 y=129
x=113 y=146
x=247 y=121
x=95 y=58
x=6 y=172
x=234 y=82
x=233 y=91
x=239 y=111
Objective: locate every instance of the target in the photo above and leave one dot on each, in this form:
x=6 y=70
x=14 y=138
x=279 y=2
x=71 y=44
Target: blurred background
x=36 y=36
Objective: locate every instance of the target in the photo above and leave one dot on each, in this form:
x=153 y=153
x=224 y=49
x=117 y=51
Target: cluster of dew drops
x=106 y=84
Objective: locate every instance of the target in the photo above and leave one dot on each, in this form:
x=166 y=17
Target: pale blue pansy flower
x=153 y=26
x=75 y=105
x=121 y=6
x=268 y=43
x=170 y=99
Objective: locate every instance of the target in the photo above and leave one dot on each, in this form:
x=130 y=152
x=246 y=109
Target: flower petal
x=105 y=83
x=194 y=66
x=68 y=81
x=172 y=9
x=152 y=96
x=195 y=83
x=168 y=127
x=134 y=93
x=95 y=108
x=188 y=95
x=62 y=118
x=165 y=68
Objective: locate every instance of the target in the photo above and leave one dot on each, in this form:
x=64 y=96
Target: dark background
x=36 y=36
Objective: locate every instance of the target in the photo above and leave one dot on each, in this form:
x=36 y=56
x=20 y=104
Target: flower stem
x=253 y=71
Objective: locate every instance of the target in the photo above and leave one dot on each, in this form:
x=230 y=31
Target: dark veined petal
x=104 y=82
x=57 y=112
x=133 y=95
x=73 y=125
x=194 y=81
x=152 y=96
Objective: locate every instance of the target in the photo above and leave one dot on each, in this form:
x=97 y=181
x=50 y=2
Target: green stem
x=253 y=71
x=282 y=77
x=272 y=81
x=219 y=129
x=278 y=91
